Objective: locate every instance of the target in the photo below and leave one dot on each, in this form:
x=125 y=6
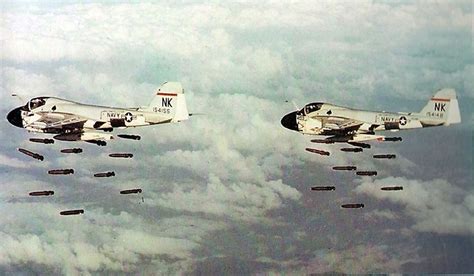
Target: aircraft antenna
x=19 y=97
x=296 y=106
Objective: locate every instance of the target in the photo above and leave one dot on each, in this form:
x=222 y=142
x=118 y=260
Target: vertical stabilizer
x=443 y=106
x=170 y=101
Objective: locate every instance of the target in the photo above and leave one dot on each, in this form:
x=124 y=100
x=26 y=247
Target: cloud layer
x=436 y=206
x=232 y=186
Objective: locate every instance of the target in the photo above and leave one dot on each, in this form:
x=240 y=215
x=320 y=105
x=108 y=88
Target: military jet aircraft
x=342 y=124
x=72 y=121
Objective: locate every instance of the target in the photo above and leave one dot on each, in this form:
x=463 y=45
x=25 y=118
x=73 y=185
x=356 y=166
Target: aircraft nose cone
x=289 y=121
x=14 y=117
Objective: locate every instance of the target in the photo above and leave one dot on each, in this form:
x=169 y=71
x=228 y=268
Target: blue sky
x=229 y=191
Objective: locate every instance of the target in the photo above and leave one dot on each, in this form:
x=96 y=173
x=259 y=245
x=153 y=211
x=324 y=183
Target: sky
x=229 y=191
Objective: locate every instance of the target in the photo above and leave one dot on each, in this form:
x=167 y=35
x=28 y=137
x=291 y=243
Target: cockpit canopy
x=312 y=107
x=34 y=103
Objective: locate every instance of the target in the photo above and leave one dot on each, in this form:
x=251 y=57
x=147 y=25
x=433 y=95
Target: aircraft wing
x=62 y=121
x=346 y=130
x=340 y=126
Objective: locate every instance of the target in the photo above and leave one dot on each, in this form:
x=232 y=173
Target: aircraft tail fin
x=443 y=106
x=170 y=101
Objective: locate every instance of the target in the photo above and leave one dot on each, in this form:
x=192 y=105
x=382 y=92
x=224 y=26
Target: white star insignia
x=128 y=117
x=403 y=121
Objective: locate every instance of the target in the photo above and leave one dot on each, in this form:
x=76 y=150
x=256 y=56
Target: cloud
x=11 y=162
x=103 y=242
x=435 y=206
x=381 y=214
x=361 y=259
x=24 y=83
x=7 y=161
x=314 y=48
x=239 y=201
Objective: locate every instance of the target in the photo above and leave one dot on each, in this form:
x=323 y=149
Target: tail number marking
x=435 y=114
x=162 y=110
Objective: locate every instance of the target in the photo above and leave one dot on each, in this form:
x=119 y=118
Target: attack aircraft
x=342 y=124
x=72 y=121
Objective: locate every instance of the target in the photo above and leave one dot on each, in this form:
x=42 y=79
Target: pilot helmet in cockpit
x=312 y=107
x=34 y=103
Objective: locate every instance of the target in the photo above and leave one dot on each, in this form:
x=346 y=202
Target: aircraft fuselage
x=347 y=124
x=73 y=121
x=55 y=113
